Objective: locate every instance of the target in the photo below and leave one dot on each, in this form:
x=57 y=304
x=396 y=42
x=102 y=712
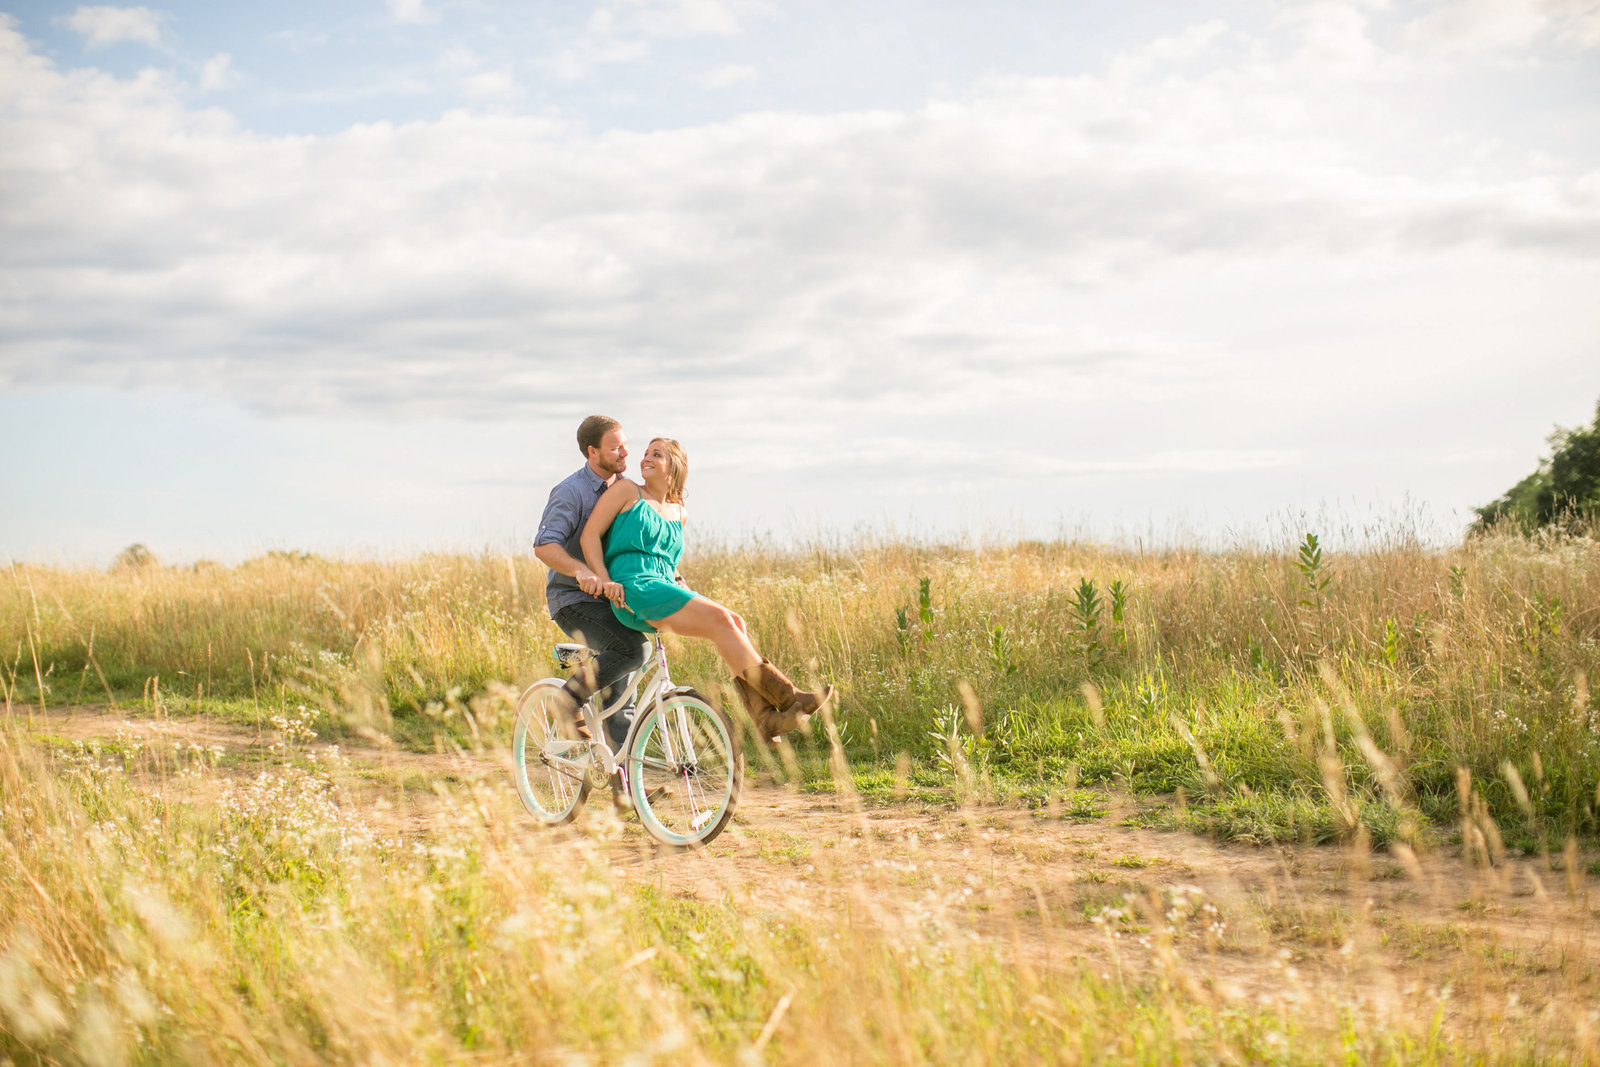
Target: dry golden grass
x=172 y=897
x=1234 y=676
x=163 y=902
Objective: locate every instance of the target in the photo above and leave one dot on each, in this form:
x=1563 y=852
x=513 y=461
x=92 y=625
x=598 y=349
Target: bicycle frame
x=679 y=767
x=657 y=686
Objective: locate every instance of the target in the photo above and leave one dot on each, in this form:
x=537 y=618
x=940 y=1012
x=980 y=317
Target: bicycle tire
x=552 y=794
x=684 y=784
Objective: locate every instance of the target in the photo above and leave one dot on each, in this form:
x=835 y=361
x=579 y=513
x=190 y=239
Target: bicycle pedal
x=699 y=821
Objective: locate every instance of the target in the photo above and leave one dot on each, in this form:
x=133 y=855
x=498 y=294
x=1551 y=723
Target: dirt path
x=1285 y=926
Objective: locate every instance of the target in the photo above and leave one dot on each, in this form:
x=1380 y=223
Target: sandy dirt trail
x=1286 y=926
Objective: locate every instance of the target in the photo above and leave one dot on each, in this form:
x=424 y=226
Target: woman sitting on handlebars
x=633 y=541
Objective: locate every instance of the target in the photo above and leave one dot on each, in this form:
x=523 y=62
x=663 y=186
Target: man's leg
x=619 y=650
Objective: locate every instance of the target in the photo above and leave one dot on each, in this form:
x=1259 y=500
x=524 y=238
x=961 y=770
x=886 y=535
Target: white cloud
x=396 y=85
x=1583 y=29
x=1481 y=24
x=621 y=31
x=1188 y=44
x=475 y=80
x=1335 y=37
x=676 y=18
x=723 y=77
x=579 y=60
x=218 y=73
x=460 y=59
x=491 y=85
x=299 y=40
x=102 y=26
x=414 y=12
x=1045 y=250
x=1504 y=25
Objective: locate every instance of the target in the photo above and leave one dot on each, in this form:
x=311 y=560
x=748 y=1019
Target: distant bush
x=135 y=557
x=1564 y=489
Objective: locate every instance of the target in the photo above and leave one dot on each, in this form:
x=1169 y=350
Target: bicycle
x=680 y=767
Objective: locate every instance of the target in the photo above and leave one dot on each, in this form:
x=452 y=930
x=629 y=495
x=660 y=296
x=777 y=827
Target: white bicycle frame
x=657 y=687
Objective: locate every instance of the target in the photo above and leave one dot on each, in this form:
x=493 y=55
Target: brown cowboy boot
x=791 y=706
x=783 y=722
x=762 y=714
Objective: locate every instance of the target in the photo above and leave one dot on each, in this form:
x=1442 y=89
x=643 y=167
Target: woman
x=633 y=541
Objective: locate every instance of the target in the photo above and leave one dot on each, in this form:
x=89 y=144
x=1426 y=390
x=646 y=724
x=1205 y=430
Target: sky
x=344 y=277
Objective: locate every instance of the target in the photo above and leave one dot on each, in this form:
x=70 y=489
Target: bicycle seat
x=571 y=655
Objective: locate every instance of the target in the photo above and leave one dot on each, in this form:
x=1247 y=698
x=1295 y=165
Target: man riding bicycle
x=572 y=593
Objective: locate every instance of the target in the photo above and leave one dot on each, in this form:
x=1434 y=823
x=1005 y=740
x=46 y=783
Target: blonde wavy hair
x=677 y=468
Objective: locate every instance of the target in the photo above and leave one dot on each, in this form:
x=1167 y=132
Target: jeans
x=619 y=650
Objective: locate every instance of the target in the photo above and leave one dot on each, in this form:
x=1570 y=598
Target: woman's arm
x=606 y=509
x=677 y=573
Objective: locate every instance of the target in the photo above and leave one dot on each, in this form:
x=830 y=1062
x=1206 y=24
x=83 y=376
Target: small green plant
x=1000 y=651
x=925 y=613
x=1391 y=643
x=1315 y=577
x=902 y=627
x=1150 y=695
x=1258 y=658
x=1313 y=573
x=1541 y=620
x=950 y=747
x=1087 y=607
x=1547 y=613
x=1119 y=609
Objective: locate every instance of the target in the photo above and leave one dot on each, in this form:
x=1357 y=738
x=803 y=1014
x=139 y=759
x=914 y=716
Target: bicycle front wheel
x=684 y=770
x=550 y=771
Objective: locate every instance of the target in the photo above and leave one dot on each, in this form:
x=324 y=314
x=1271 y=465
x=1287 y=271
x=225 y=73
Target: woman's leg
x=708 y=619
x=776 y=706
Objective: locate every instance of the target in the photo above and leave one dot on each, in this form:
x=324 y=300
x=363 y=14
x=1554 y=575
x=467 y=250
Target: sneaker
x=565 y=707
x=617 y=728
x=619 y=799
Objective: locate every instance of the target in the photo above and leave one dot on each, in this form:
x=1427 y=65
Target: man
x=572 y=593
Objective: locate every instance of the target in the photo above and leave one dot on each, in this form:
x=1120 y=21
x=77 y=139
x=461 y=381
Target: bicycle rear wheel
x=684 y=770
x=552 y=790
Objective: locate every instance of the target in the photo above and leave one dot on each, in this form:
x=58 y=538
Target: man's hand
x=589 y=581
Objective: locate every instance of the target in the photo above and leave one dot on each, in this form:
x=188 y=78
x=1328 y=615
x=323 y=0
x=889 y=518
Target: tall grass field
x=161 y=902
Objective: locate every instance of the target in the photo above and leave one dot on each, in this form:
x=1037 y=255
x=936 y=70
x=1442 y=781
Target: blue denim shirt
x=567 y=510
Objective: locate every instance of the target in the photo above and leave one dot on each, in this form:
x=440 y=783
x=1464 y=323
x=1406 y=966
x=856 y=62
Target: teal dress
x=642 y=550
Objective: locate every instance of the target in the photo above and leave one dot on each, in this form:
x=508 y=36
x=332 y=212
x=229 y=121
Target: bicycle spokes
x=686 y=771
x=549 y=770
x=680 y=771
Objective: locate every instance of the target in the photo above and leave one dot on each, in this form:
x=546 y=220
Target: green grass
x=156 y=909
x=1285 y=695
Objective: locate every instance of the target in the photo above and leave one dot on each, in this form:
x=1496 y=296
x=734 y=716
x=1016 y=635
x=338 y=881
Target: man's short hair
x=592 y=429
